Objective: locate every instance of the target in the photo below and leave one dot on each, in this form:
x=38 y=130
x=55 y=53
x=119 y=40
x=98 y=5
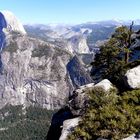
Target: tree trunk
x=129 y=43
x=127 y=57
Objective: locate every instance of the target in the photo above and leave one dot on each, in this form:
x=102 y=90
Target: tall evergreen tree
x=114 y=54
x=123 y=37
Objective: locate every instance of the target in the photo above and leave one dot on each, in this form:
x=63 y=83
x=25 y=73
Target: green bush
x=109 y=116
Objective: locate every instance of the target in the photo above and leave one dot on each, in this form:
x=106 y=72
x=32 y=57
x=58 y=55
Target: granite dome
x=8 y=20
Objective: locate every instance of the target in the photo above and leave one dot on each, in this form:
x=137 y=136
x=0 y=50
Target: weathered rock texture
x=132 y=78
x=38 y=73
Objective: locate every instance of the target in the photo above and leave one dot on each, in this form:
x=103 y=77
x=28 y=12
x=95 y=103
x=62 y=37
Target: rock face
x=13 y=24
x=79 y=44
x=3 y=23
x=35 y=73
x=132 y=79
x=68 y=126
x=77 y=78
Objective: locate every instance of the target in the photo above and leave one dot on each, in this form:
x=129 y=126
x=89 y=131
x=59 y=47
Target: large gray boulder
x=132 y=79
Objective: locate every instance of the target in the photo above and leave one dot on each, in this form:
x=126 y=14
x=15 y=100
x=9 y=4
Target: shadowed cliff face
x=78 y=78
x=3 y=25
x=57 y=123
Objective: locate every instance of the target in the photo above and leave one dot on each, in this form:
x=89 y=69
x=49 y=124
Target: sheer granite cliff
x=37 y=73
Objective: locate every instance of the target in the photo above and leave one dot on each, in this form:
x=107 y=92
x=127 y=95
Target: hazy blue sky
x=71 y=11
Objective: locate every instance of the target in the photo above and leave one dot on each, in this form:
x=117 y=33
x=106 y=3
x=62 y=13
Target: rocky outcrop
x=132 y=78
x=104 y=84
x=75 y=107
x=68 y=127
x=79 y=100
x=79 y=97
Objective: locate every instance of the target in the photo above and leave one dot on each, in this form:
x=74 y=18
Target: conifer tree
x=114 y=54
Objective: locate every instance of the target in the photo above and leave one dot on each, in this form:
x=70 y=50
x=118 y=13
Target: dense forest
x=19 y=123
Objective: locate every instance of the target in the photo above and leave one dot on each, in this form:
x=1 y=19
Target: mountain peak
x=13 y=23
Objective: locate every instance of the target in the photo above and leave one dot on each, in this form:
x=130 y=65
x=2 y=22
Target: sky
x=71 y=11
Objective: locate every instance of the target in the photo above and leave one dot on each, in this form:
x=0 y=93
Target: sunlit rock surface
x=132 y=78
x=13 y=24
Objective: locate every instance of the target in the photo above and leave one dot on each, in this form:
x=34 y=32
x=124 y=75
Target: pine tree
x=114 y=54
x=123 y=37
x=109 y=115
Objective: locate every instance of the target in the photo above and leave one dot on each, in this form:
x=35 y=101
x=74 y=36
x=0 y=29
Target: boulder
x=132 y=78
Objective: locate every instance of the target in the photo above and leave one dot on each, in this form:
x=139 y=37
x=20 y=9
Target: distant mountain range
x=115 y=22
x=90 y=34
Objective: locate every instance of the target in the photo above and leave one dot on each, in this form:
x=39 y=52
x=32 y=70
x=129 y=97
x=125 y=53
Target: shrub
x=109 y=116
